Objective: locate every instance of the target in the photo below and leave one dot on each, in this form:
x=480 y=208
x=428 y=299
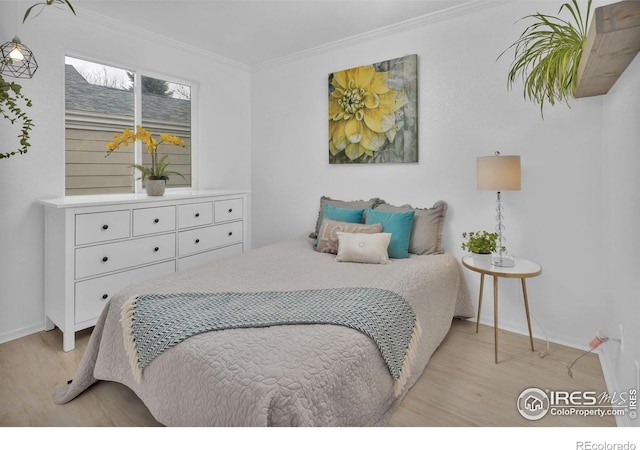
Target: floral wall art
x=373 y=113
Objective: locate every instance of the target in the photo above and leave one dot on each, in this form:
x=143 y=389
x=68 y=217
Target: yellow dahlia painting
x=373 y=114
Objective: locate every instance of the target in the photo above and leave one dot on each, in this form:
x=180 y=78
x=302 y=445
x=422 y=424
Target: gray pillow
x=328 y=238
x=426 y=231
x=355 y=204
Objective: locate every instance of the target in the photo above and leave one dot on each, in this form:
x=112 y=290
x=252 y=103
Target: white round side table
x=523 y=269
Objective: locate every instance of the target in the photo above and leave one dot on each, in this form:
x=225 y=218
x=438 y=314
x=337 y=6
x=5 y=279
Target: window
x=100 y=101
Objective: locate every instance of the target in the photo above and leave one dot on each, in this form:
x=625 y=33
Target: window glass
x=100 y=102
x=166 y=108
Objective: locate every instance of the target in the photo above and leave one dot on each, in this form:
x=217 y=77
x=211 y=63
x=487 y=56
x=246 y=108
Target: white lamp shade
x=498 y=173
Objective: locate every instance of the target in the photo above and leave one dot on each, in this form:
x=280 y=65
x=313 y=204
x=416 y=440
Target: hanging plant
x=41 y=5
x=548 y=53
x=11 y=97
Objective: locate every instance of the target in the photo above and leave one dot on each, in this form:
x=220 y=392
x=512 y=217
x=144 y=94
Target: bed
x=282 y=375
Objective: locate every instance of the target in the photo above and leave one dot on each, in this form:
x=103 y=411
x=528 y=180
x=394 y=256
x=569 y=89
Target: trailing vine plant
x=548 y=53
x=12 y=98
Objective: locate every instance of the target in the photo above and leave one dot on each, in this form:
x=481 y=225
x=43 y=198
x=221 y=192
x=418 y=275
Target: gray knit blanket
x=153 y=323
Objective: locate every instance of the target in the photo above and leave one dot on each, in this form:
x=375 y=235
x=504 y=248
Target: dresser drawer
x=195 y=214
x=96 y=247
x=106 y=258
x=100 y=227
x=202 y=239
x=212 y=255
x=92 y=295
x=226 y=210
x=154 y=220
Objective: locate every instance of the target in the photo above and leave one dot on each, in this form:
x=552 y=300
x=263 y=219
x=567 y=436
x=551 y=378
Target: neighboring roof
x=83 y=96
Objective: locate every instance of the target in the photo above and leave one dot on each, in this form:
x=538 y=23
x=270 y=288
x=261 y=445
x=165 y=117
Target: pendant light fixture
x=16 y=60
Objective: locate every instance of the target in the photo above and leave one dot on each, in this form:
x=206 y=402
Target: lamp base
x=502 y=261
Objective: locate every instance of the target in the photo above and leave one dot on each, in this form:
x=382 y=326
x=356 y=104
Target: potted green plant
x=480 y=242
x=548 y=53
x=156 y=175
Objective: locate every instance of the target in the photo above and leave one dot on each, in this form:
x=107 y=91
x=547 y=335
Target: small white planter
x=156 y=187
x=484 y=258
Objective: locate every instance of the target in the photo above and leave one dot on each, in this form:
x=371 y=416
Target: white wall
x=621 y=215
x=223 y=139
x=465 y=111
x=267 y=130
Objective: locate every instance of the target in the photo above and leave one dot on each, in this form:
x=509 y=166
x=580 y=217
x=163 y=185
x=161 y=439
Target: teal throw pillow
x=398 y=224
x=342 y=214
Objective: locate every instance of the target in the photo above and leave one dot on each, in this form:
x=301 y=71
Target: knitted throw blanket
x=155 y=322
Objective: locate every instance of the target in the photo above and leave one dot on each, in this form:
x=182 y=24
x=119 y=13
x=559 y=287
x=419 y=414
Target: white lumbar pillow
x=363 y=248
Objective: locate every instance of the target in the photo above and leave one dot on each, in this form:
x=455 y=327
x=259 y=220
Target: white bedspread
x=292 y=375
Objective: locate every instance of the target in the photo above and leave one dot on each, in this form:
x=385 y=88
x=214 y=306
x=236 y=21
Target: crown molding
x=158 y=38
x=416 y=22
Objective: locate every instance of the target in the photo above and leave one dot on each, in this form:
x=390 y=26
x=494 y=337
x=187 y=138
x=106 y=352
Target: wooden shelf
x=613 y=40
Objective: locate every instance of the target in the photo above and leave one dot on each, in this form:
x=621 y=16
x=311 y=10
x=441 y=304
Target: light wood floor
x=461 y=385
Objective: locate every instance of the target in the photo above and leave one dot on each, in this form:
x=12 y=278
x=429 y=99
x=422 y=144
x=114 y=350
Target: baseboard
x=605 y=362
x=522 y=329
x=21 y=332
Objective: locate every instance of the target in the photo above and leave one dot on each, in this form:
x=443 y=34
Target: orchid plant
x=158 y=169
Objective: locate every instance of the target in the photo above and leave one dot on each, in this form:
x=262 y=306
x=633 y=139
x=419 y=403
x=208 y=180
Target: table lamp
x=499 y=173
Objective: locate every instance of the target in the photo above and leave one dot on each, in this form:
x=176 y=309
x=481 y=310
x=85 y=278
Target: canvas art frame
x=373 y=113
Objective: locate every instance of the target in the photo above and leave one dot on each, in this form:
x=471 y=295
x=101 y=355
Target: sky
x=114 y=77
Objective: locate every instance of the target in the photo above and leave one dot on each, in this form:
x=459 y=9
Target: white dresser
x=97 y=245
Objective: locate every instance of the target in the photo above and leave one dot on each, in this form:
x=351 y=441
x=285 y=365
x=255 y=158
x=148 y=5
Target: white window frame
x=137 y=110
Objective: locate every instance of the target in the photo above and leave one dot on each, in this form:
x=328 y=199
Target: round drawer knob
x=156 y=249
x=230 y=210
x=197 y=214
x=105 y=259
x=105 y=227
x=156 y=221
x=197 y=241
x=105 y=296
x=230 y=233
